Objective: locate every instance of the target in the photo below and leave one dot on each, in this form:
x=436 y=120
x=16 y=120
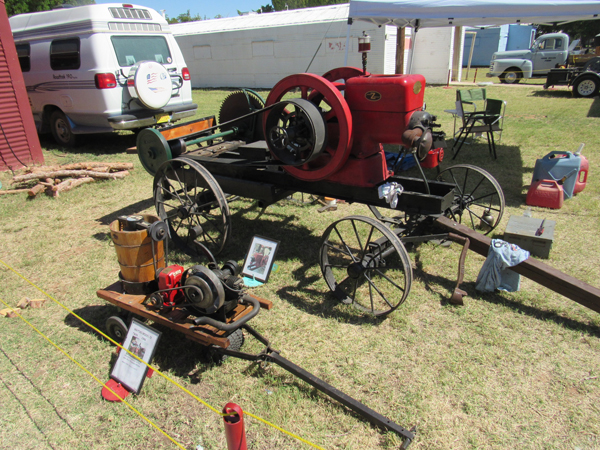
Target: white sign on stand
x=141 y=341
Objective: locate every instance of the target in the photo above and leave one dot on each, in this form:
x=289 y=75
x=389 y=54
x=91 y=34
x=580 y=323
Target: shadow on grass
x=429 y=280
x=177 y=354
x=94 y=144
x=134 y=208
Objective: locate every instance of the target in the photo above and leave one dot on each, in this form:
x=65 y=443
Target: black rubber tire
x=236 y=340
x=511 y=76
x=586 y=86
x=116 y=328
x=593 y=65
x=61 y=129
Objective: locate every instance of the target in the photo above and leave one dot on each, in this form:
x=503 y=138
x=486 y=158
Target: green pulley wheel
x=153 y=149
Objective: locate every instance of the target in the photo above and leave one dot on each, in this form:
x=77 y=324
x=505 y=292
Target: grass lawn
x=506 y=370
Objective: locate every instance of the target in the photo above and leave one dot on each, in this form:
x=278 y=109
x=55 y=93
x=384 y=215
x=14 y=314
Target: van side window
x=64 y=54
x=23 y=51
x=132 y=49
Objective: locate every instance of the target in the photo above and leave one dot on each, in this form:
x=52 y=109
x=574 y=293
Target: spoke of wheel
x=388 y=279
x=378 y=291
x=178 y=226
x=491 y=195
x=355 y=288
x=475 y=214
x=209 y=220
x=183 y=188
x=456 y=183
x=336 y=266
x=371 y=298
x=345 y=245
x=304 y=92
x=477 y=187
x=175 y=191
x=367 y=243
x=332 y=247
x=464 y=189
x=361 y=249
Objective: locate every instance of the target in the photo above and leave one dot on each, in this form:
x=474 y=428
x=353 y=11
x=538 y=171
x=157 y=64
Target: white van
x=99 y=68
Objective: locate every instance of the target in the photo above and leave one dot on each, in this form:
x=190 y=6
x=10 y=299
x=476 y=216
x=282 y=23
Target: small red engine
x=169 y=279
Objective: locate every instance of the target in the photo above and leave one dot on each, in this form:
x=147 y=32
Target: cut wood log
x=14 y=191
x=69 y=173
x=37 y=189
x=84 y=166
x=71 y=183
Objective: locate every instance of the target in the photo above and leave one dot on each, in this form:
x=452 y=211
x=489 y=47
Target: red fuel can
x=545 y=193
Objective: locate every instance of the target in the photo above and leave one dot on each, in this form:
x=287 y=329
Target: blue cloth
x=398 y=162
x=495 y=272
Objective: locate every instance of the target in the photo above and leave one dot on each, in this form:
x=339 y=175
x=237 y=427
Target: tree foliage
x=184 y=17
x=14 y=7
x=282 y=5
x=581 y=29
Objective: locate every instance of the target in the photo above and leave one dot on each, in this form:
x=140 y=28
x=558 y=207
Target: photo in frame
x=259 y=259
x=141 y=340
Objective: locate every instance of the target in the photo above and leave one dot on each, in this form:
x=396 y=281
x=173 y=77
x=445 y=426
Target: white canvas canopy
x=444 y=13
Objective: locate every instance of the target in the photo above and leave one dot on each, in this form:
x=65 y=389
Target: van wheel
x=511 y=76
x=61 y=130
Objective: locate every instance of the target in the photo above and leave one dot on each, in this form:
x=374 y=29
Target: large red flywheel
x=337 y=118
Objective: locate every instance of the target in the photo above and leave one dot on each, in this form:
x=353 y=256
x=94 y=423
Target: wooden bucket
x=137 y=252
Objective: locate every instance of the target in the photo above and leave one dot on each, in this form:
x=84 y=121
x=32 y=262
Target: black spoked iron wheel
x=190 y=200
x=365 y=264
x=478 y=197
x=116 y=328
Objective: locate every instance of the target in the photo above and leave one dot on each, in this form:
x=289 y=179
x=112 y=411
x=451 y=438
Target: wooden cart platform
x=177 y=318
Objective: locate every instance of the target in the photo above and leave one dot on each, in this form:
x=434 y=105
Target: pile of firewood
x=56 y=179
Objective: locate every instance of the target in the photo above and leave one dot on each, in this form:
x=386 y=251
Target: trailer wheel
x=586 y=86
x=116 y=328
x=190 y=200
x=478 y=198
x=511 y=76
x=236 y=340
x=365 y=264
x=61 y=129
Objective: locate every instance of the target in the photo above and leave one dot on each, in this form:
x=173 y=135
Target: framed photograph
x=141 y=340
x=259 y=259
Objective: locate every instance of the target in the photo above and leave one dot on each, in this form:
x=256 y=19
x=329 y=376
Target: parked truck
x=547 y=52
x=550 y=56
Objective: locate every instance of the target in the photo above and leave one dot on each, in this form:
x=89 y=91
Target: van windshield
x=133 y=49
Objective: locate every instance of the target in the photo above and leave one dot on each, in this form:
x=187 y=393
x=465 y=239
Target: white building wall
x=433 y=54
x=259 y=58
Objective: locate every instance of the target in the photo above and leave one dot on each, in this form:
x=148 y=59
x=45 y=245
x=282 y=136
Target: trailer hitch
x=270 y=355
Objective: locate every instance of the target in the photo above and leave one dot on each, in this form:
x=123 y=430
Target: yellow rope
x=96 y=378
x=144 y=362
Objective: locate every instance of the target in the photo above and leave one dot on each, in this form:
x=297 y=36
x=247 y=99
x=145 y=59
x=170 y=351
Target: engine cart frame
x=229 y=343
x=319 y=145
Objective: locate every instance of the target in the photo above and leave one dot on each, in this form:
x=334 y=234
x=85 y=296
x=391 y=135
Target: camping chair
x=487 y=121
x=469 y=100
x=476 y=122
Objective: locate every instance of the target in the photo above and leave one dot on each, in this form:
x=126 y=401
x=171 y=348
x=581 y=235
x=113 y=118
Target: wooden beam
x=534 y=269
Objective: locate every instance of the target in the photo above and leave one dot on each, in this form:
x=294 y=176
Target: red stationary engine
x=372 y=110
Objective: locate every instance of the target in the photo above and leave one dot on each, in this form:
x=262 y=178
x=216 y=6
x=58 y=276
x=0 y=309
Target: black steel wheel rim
x=366 y=265
x=191 y=202
x=478 y=198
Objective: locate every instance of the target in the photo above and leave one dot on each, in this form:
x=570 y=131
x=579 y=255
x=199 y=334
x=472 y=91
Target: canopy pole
x=347 y=41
